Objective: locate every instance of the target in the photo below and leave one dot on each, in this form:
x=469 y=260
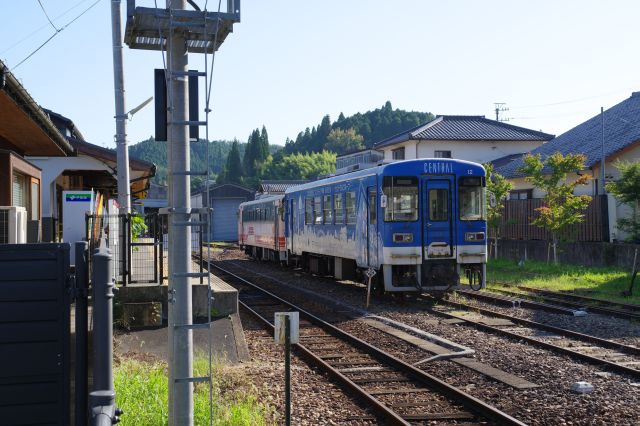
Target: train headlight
x=402 y=238
x=474 y=236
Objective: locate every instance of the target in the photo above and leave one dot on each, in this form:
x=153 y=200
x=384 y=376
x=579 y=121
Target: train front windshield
x=402 y=195
x=472 y=199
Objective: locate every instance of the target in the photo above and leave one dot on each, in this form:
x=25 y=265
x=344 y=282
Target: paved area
x=227 y=336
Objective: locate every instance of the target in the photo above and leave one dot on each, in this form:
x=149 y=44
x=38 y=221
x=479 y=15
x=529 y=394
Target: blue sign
x=84 y=198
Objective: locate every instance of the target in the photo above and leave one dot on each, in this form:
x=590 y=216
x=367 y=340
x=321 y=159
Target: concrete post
x=122 y=153
x=180 y=306
x=102 y=283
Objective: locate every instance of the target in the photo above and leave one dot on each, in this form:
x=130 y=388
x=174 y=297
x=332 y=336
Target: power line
x=47 y=15
x=41 y=27
x=571 y=100
x=55 y=34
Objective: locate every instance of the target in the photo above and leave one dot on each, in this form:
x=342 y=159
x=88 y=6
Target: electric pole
x=179 y=30
x=499 y=108
x=180 y=310
x=122 y=152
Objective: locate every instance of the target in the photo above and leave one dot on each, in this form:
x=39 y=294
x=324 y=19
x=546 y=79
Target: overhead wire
x=41 y=27
x=570 y=101
x=55 y=34
x=47 y=15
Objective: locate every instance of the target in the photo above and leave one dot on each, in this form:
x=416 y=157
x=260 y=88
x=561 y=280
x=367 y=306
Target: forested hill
x=358 y=131
x=344 y=135
x=156 y=152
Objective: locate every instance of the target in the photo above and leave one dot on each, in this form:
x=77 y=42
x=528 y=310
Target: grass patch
x=142 y=392
x=603 y=283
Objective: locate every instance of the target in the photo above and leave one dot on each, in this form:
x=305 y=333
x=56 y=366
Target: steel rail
x=577 y=306
x=566 y=351
x=496 y=298
x=471 y=403
x=381 y=409
x=628 y=310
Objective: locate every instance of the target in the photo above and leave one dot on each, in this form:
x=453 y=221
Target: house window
x=398 y=154
x=34 y=208
x=521 y=194
x=19 y=190
x=442 y=154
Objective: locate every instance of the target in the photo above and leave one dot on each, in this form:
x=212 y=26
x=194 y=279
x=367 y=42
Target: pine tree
x=264 y=144
x=233 y=168
x=323 y=133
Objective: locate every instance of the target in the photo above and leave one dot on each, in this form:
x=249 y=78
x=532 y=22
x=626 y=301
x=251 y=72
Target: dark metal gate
x=35 y=289
x=136 y=243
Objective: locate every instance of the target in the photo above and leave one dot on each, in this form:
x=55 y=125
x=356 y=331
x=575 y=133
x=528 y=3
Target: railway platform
x=145 y=309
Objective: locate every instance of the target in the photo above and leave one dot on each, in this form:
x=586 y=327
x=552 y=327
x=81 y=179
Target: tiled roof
x=278 y=186
x=466 y=128
x=621 y=129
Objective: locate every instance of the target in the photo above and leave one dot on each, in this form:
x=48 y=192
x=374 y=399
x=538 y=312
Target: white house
x=91 y=167
x=467 y=137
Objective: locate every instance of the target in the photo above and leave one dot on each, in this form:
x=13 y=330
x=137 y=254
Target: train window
x=351 y=207
x=327 y=210
x=338 y=208
x=373 y=208
x=317 y=210
x=472 y=202
x=402 y=196
x=308 y=211
x=438 y=204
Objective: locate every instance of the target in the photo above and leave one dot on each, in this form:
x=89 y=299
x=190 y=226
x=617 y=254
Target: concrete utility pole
x=124 y=188
x=180 y=306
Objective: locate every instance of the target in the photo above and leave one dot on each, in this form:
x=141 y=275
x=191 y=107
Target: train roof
x=262 y=200
x=412 y=167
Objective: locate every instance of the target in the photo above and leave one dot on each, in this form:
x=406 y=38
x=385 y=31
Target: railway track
x=513 y=300
x=605 y=353
x=395 y=391
x=590 y=304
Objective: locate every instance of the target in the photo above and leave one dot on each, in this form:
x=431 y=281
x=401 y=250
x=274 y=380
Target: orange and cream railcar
x=261 y=228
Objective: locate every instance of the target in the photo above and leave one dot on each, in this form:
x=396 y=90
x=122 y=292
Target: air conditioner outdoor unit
x=13 y=225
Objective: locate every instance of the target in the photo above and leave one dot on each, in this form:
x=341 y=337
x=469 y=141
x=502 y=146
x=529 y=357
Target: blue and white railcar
x=419 y=224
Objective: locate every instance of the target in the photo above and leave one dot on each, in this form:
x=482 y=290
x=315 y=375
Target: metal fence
x=518 y=215
x=138 y=244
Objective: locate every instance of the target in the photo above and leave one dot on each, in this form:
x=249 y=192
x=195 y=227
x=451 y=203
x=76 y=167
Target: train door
x=438 y=218
x=372 y=227
x=292 y=229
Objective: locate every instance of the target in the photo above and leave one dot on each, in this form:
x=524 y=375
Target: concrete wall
x=578 y=253
x=477 y=151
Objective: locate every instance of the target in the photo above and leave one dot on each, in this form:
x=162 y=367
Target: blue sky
x=554 y=63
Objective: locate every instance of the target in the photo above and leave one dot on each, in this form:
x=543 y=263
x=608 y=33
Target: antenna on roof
x=500 y=107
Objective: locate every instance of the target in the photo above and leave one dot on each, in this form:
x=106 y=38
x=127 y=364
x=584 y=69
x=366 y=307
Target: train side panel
x=261 y=228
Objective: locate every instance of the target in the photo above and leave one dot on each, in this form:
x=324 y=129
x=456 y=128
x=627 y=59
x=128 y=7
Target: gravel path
x=615 y=399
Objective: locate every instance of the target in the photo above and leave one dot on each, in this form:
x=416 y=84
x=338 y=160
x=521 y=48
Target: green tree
x=561 y=207
x=264 y=144
x=344 y=141
x=627 y=190
x=497 y=190
x=233 y=168
x=300 y=166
